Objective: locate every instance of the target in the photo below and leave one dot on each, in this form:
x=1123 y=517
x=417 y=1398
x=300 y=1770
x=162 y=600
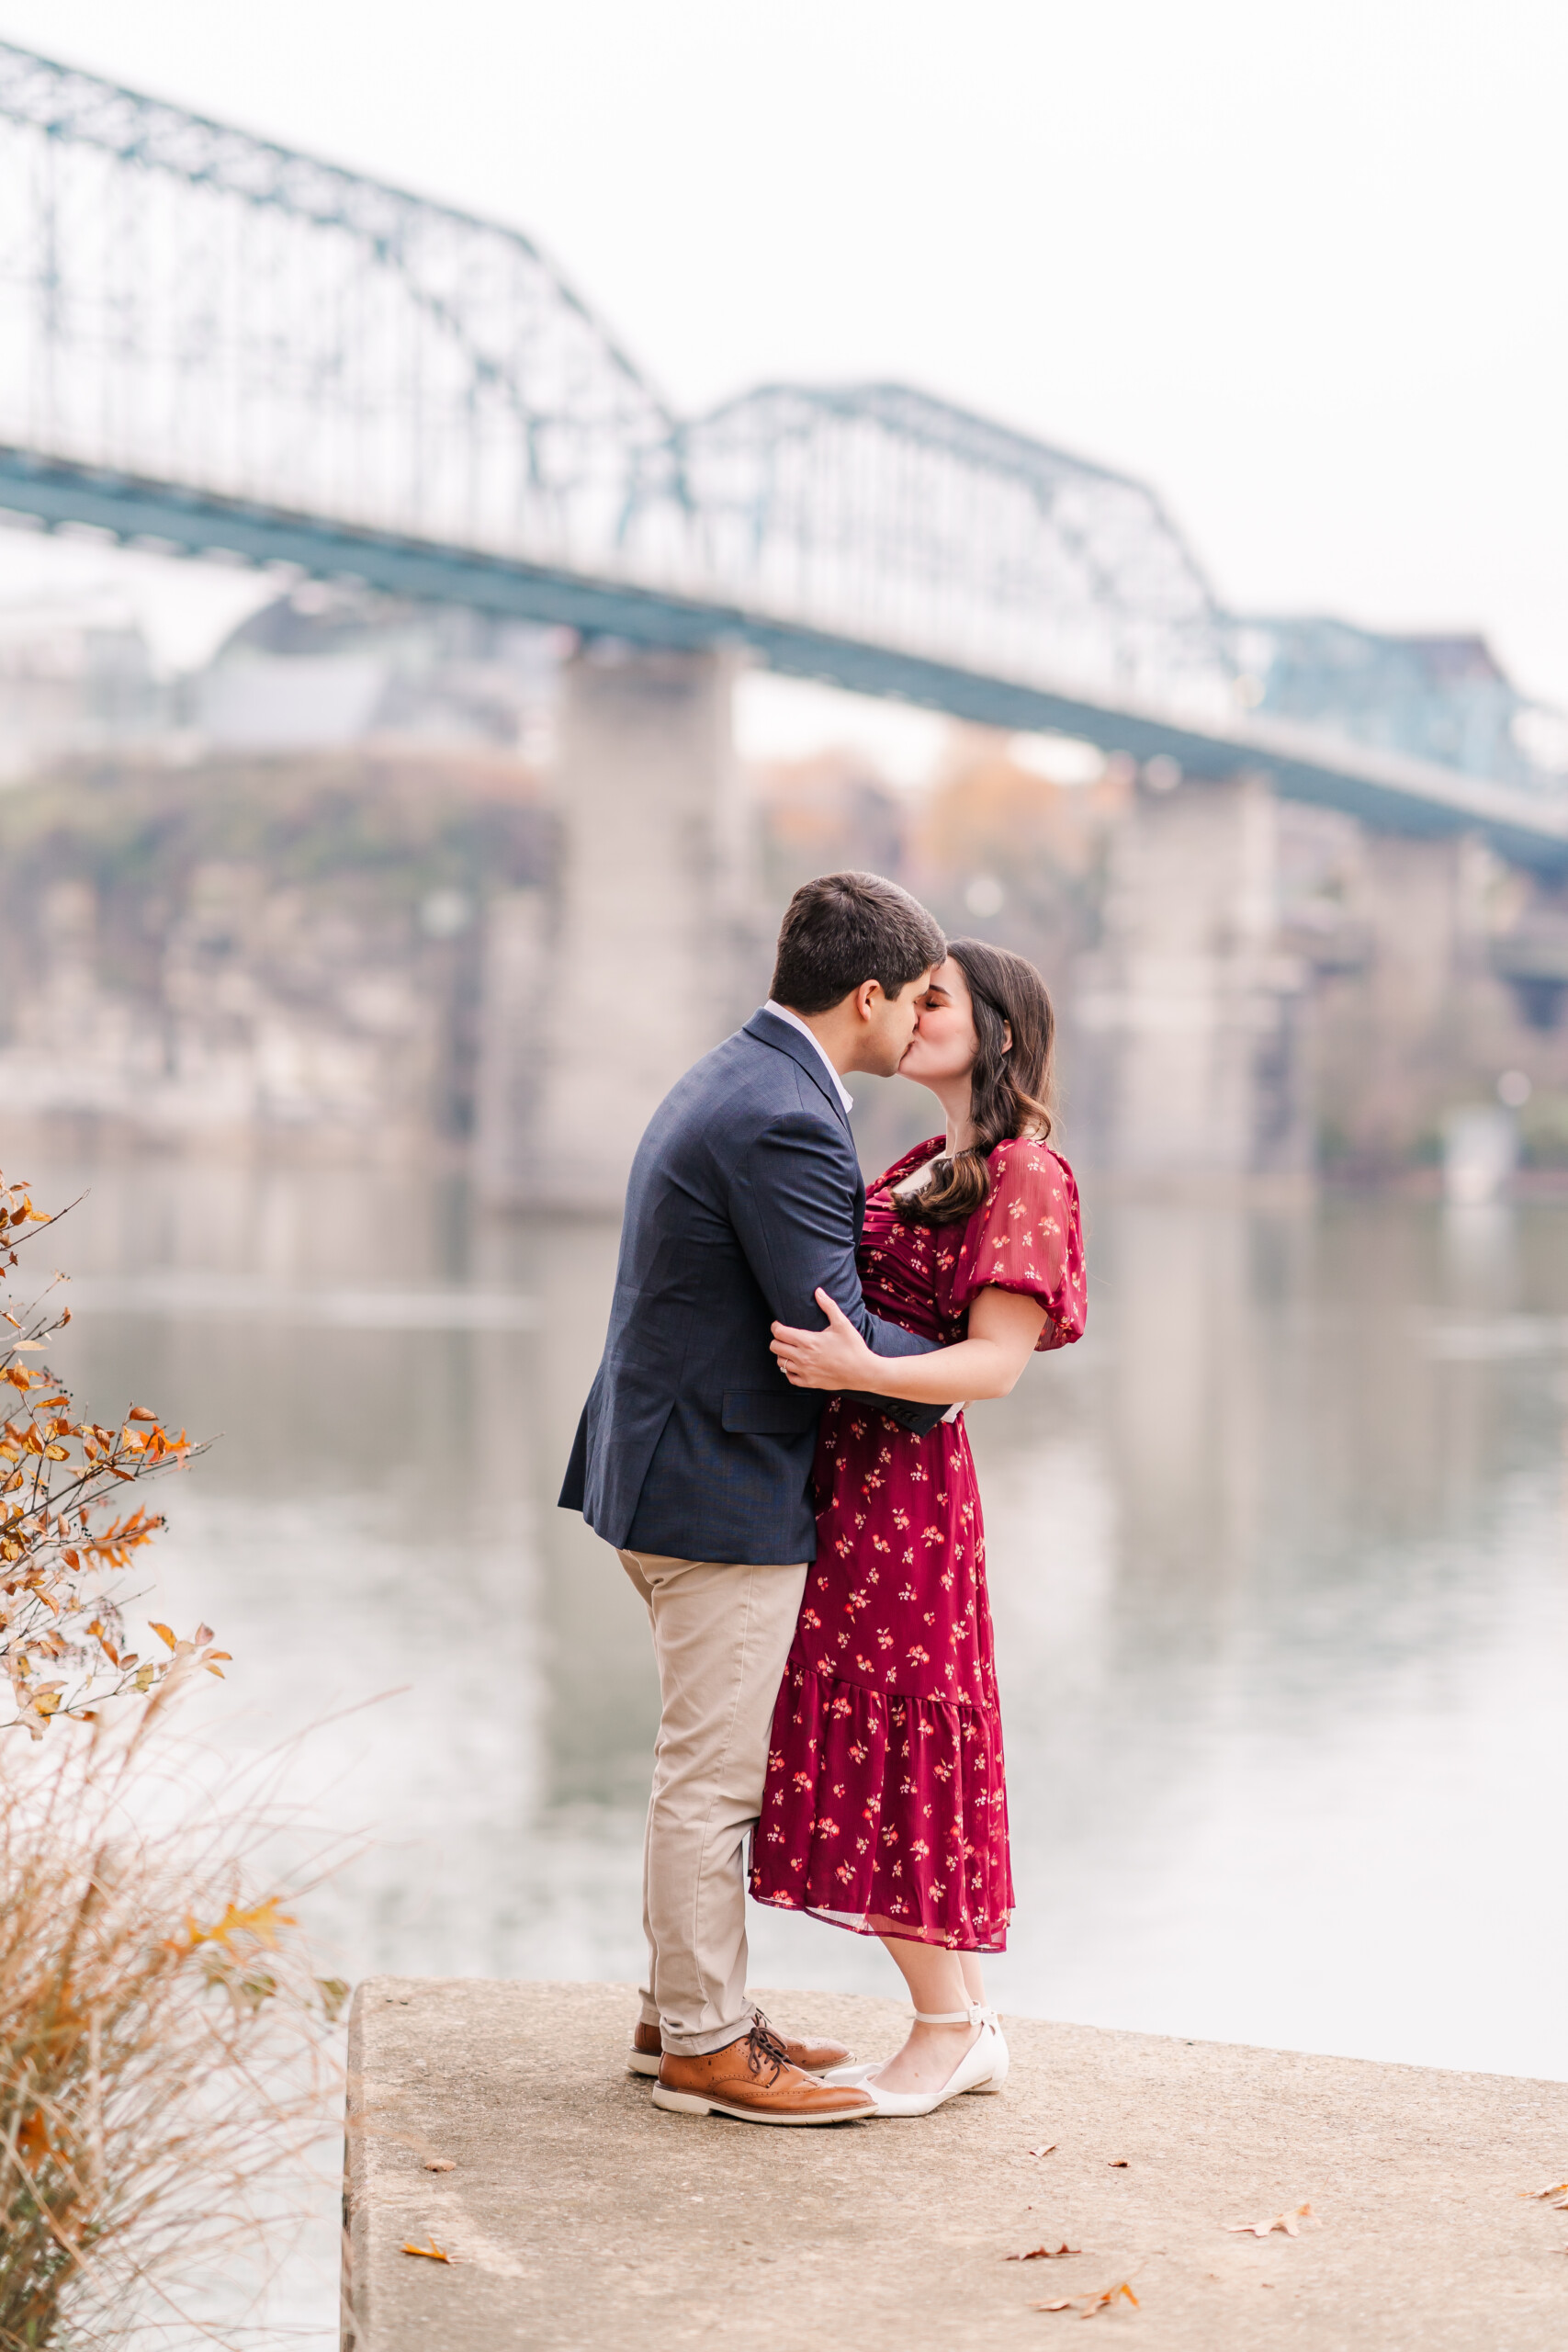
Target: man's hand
x=836 y=1358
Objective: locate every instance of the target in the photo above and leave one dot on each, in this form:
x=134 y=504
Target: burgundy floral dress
x=885 y=1809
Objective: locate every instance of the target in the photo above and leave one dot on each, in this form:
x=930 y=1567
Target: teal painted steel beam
x=1382 y=790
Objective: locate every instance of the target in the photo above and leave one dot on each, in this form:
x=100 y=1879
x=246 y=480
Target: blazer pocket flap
x=767 y=1412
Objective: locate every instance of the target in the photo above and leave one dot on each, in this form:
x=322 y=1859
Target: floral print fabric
x=885 y=1809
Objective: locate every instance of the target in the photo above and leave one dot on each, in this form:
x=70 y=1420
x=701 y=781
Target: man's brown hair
x=844 y=929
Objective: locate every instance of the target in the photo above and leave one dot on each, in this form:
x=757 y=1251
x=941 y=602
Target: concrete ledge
x=579 y=2215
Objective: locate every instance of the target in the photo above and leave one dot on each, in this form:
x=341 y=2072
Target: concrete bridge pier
x=1425 y=1022
x=652 y=951
x=1192 y=1016
x=515 y=980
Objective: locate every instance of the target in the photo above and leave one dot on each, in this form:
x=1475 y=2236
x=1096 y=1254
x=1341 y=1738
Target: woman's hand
x=836 y=1358
x=1003 y=1328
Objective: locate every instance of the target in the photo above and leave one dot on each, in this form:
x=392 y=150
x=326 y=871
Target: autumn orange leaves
x=165 y=2056
x=1101 y=2298
x=1086 y=2306
x=1290 y=2222
x=165 y=2059
x=62 y=1531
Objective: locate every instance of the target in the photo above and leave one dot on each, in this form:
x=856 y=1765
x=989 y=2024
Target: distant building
x=328 y=666
x=75 y=678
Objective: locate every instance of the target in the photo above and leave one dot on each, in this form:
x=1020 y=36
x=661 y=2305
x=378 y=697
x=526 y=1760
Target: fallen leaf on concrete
x=1117 y=2163
x=1556 y=2195
x=439 y=2163
x=1290 y=2222
x=1086 y=2306
x=1043 y=2253
x=431 y=2252
x=1043 y=2152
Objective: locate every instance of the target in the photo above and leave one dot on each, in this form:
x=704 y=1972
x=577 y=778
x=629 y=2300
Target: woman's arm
x=1003 y=1327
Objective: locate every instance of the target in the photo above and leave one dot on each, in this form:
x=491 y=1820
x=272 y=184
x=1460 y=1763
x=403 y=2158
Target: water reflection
x=1279 y=1573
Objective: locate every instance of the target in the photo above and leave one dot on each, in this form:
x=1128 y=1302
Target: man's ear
x=865 y=997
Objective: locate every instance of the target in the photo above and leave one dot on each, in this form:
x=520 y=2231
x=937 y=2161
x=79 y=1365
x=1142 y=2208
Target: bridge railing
x=210 y=316
x=182 y=302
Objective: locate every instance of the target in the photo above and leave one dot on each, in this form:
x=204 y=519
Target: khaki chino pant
x=721 y=1634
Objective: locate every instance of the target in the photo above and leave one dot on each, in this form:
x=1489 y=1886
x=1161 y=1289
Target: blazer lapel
x=769 y=1030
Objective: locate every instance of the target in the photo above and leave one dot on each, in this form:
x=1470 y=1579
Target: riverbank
x=577 y=2214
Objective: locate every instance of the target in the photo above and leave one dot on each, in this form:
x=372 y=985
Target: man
x=693 y=1454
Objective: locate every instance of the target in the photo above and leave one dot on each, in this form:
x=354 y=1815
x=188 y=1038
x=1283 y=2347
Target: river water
x=1279 y=1560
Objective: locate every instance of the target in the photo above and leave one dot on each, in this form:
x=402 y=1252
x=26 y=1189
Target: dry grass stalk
x=165 y=2049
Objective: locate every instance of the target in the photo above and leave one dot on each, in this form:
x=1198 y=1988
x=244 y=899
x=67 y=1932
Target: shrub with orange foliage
x=62 y=1530
x=167 y=2063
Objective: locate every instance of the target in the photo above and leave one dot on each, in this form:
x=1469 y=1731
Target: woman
x=884 y=1810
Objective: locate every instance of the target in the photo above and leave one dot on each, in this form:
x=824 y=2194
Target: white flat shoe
x=974 y=2071
x=1000 y=2050
x=856 y=2072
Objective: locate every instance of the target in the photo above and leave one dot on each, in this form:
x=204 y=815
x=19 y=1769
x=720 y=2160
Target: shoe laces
x=762 y=2045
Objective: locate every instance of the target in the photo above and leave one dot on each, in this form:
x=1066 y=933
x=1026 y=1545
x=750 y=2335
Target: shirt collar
x=783 y=1013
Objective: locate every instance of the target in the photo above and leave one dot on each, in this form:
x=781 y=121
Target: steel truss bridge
x=212 y=345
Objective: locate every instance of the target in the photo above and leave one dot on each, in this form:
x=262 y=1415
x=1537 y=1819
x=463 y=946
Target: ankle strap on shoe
x=973 y=2015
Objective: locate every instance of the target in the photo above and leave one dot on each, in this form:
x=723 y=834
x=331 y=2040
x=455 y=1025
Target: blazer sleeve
x=793 y=1207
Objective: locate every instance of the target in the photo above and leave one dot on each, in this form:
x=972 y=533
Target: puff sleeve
x=1026 y=1236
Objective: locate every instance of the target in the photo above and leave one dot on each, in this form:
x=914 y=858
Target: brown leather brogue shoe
x=752 y=2080
x=811 y=2057
x=645 y=2051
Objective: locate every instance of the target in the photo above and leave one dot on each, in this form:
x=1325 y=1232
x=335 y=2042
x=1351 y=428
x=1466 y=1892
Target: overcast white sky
x=1299 y=265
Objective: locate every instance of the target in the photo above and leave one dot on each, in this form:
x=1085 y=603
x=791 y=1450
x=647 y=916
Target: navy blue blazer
x=744 y=1196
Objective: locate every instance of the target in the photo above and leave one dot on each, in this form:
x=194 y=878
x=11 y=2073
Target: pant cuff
x=702 y=2045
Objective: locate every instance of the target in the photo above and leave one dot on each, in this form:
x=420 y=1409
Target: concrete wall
x=279 y=958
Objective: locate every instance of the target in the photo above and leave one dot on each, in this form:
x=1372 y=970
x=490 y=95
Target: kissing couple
x=775 y=1443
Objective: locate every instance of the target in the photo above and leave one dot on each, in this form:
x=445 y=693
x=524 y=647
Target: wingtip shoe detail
x=752 y=2080
x=811 y=2057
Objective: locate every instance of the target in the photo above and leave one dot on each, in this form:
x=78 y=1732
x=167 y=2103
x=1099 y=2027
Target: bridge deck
x=1384 y=790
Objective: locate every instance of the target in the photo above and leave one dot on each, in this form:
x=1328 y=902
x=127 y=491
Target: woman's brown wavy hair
x=1010 y=1085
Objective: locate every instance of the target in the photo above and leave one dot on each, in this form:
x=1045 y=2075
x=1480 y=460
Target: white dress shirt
x=784 y=1013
